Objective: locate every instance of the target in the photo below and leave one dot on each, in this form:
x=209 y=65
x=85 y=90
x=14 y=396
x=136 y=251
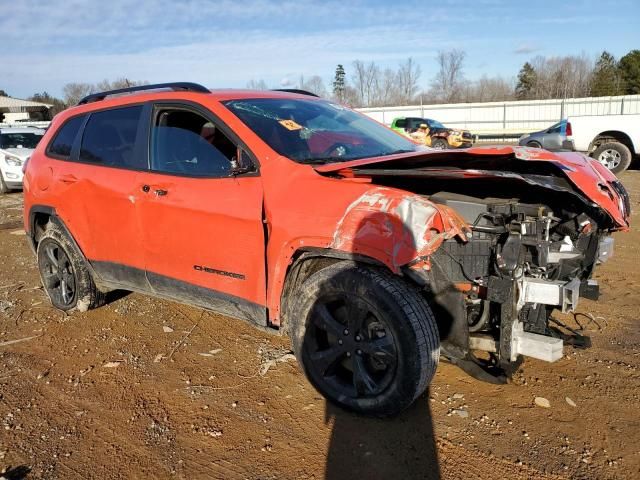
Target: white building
x=16 y=110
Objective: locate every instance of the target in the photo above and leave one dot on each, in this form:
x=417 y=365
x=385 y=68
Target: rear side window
x=109 y=138
x=557 y=128
x=63 y=141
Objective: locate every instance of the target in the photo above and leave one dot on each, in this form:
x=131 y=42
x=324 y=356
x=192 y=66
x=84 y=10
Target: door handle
x=68 y=178
x=160 y=193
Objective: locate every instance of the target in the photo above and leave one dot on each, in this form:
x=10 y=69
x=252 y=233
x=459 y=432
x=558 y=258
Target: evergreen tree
x=606 y=77
x=339 y=86
x=629 y=67
x=526 y=82
x=3 y=93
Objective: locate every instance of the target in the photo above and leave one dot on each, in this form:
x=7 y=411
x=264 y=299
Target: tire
x=615 y=156
x=534 y=145
x=64 y=273
x=365 y=338
x=3 y=186
x=439 y=144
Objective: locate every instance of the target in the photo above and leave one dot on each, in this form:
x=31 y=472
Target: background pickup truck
x=613 y=140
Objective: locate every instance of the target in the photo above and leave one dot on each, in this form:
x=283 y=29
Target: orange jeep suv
x=374 y=255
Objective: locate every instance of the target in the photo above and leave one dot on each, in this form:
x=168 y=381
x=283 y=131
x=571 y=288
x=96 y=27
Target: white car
x=613 y=140
x=16 y=146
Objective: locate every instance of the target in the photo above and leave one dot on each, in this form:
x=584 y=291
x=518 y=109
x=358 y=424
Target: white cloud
x=525 y=49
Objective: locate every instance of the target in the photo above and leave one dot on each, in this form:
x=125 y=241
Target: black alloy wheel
x=58 y=276
x=351 y=350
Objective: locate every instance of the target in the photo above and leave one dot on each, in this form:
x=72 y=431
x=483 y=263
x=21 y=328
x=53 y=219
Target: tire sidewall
x=54 y=234
x=439 y=141
x=401 y=392
x=623 y=150
x=3 y=186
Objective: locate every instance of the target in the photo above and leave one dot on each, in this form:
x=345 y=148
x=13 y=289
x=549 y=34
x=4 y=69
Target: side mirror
x=241 y=163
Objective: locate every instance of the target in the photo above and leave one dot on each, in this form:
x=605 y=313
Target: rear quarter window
x=63 y=141
x=109 y=138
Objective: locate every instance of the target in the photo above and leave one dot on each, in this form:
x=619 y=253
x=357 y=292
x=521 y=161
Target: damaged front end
x=535 y=226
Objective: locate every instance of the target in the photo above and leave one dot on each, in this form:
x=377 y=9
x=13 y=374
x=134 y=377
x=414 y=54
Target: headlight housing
x=13 y=161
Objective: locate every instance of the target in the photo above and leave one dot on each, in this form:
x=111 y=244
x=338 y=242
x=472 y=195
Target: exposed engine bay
x=533 y=244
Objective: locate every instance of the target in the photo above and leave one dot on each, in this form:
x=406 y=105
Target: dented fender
x=392 y=227
x=395 y=227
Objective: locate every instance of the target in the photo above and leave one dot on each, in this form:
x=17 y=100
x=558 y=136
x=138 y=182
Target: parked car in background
x=613 y=140
x=16 y=146
x=373 y=254
x=553 y=138
x=441 y=137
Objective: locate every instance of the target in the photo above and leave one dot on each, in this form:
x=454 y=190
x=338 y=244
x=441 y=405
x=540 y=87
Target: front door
x=201 y=221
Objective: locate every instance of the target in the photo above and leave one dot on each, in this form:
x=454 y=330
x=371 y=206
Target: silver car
x=553 y=138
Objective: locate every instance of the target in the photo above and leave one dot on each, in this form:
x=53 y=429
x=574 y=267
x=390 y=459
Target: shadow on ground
x=403 y=447
x=17 y=473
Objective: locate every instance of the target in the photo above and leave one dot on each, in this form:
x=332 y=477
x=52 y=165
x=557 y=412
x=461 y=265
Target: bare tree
x=74 y=92
x=387 y=89
x=365 y=81
x=562 y=77
x=448 y=82
x=489 y=89
x=407 y=80
x=118 y=83
x=315 y=85
x=257 y=85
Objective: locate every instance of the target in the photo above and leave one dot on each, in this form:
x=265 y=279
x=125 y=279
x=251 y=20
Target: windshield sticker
x=290 y=125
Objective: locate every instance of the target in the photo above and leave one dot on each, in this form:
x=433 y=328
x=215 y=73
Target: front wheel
x=613 y=155
x=3 y=186
x=365 y=338
x=439 y=144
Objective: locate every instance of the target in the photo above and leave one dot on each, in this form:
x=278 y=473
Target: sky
x=45 y=44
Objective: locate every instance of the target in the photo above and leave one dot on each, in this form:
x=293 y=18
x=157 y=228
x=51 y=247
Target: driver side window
x=184 y=142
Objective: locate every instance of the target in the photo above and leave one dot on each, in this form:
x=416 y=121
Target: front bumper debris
x=533 y=345
x=605 y=249
x=564 y=295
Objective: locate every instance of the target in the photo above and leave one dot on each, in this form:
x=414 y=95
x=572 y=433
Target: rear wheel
x=64 y=273
x=615 y=156
x=365 y=338
x=534 y=145
x=439 y=144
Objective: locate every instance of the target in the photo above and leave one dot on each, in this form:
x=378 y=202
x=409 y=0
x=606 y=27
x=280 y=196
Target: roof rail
x=296 y=90
x=175 y=86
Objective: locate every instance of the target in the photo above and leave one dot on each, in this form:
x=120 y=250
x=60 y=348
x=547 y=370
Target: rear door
x=97 y=185
x=201 y=221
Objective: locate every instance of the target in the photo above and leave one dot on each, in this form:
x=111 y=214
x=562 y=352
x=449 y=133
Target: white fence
x=514 y=117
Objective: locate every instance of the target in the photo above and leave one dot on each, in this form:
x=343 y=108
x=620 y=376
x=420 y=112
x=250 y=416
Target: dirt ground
x=144 y=388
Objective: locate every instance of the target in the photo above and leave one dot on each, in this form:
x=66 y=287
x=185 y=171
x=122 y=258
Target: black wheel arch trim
x=51 y=212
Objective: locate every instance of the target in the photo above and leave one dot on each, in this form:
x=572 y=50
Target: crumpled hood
x=587 y=177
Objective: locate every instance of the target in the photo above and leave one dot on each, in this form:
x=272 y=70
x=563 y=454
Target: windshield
x=435 y=124
x=317 y=131
x=19 y=140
